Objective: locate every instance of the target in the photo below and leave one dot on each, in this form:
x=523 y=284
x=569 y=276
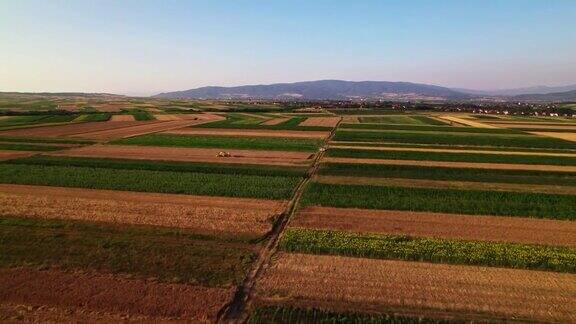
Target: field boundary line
x=238 y=310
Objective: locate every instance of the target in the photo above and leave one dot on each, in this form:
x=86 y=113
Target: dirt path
x=239 y=309
x=250 y=132
x=449 y=226
x=111 y=294
x=200 y=214
x=474 y=165
x=9 y=154
x=466 y=185
x=427 y=289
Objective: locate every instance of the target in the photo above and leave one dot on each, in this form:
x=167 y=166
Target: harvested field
x=565 y=136
x=501 y=166
x=111 y=294
x=121 y=118
x=140 y=129
x=168 y=117
x=9 y=154
x=66 y=130
x=201 y=214
x=351 y=119
x=275 y=121
x=356 y=284
x=466 y=122
x=424 y=183
x=450 y=226
x=321 y=121
x=190 y=154
x=249 y=132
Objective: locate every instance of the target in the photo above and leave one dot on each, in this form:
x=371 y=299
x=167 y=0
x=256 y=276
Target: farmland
x=213 y=211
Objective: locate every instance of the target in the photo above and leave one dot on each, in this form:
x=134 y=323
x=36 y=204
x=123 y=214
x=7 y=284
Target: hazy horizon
x=148 y=47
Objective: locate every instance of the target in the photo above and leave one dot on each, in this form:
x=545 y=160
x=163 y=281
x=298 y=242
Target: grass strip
x=473 y=202
x=510 y=255
x=139 y=251
x=28 y=147
x=448 y=174
x=226 y=185
x=287 y=314
x=446 y=138
x=174 y=166
x=426 y=128
x=452 y=157
x=97 y=117
x=224 y=142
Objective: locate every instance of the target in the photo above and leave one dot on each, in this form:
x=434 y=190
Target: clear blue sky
x=144 y=47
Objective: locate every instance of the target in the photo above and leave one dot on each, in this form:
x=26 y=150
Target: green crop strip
x=406 y=120
x=151 y=181
x=449 y=174
x=474 y=202
x=425 y=128
x=28 y=147
x=446 y=138
x=452 y=157
x=131 y=250
x=98 y=117
x=225 y=142
x=239 y=121
x=378 y=246
x=123 y=164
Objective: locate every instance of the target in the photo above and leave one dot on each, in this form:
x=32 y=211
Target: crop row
x=379 y=246
x=397 y=119
x=239 y=121
x=426 y=128
x=449 y=174
x=474 y=202
x=130 y=250
x=150 y=181
x=469 y=139
x=452 y=156
x=174 y=166
x=224 y=142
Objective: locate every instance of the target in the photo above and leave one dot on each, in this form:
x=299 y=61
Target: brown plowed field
x=141 y=129
x=189 y=154
x=565 y=136
x=321 y=121
x=474 y=165
x=121 y=118
x=67 y=130
x=421 y=149
x=450 y=226
x=110 y=294
x=9 y=154
x=202 y=214
x=425 y=183
x=275 y=121
x=357 y=284
x=249 y=132
x=22 y=313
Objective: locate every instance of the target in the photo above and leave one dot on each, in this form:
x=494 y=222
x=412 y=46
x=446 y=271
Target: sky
x=141 y=47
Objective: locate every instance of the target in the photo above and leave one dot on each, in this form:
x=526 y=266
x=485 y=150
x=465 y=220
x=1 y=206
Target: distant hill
x=518 y=91
x=556 y=96
x=324 y=89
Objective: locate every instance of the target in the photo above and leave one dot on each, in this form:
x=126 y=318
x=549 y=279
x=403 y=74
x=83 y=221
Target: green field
x=446 y=138
x=426 y=128
x=398 y=119
x=97 y=117
x=452 y=157
x=227 y=185
x=28 y=147
x=225 y=142
x=241 y=121
x=449 y=174
x=378 y=246
x=138 y=251
x=124 y=164
x=474 y=202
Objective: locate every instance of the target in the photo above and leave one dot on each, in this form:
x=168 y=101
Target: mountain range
x=383 y=90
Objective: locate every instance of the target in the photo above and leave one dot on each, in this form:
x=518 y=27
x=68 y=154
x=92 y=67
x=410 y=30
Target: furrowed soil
x=431 y=290
x=276 y=121
x=67 y=130
x=565 y=136
x=249 y=132
x=424 y=183
x=190 y=154
x=22 y=313
x=321 y=121
x=201 y=214
x=438 y=225
x=9 y=154
x=500 y=166
x=121 y=118
x=143 y=128
x=111 y=294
